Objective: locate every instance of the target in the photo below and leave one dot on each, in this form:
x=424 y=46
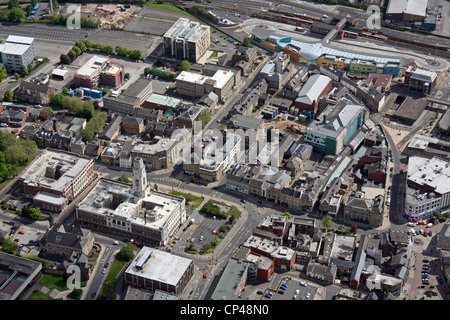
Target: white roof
x=162 y=266
x=92 y=66
x=312 y=89
x=19 y=40
x=222 y=77
x=415 y=7
x=431 y=172
x=424 y=75
x=59 y=72
x=191 y=77
x=15 y=49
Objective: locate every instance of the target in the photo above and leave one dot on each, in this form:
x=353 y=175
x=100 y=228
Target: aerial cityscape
x=223 y=150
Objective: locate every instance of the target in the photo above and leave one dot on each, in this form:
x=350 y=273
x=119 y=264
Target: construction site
x=292 y=127
x=109 y=15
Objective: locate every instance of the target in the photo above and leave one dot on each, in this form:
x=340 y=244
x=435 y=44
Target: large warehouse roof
x=313 y=88
x=415 y=7
x=312 y=51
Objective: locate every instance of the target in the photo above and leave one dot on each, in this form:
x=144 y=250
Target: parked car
x=268 y=295
x=304 y=284
x=280 y=291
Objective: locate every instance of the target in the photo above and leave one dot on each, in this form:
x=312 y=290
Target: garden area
x=192 y=202
x=220 y=209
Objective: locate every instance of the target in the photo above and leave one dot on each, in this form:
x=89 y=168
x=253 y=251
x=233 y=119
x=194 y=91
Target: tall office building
x=187 y=40
x=17 y=51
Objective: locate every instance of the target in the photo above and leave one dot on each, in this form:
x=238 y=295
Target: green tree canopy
x=80 y=44
x=10 y=246
x=34 y=213
x=16 y=14
x=121 y=51
x=8 y=96
x=247 y=42
x=135 y=54
x=184 y=66
x=327 y=222
x=125 y=254
x=205 y=117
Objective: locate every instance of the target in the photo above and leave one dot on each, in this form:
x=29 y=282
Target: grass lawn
x=213 y=55
x=37 y=295
x=115 y=269
x=192 y=201
x=53 y=281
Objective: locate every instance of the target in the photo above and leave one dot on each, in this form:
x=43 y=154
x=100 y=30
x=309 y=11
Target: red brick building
x=314 y=89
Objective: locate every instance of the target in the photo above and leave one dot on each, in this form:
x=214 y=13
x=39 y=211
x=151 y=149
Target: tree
x=28 y=9
x=65 y=59
x=77 y=50
x=135 y=54
x=247 y=42
x=72 y=54
x=46 y=113
x=121 y=51
x=437 y=214
x=13 y=4
x=327 y=222
x=3 y=73
x=354 y=229
x=287 y=214
x=10 y=246
x=125 y=254
x=184 y=66
x=16 y=14
x=56 y=100
x=123 y=179
x=107 y=49
x=205 y=117
x=80 y=44
x=8 y=96
x=34 y=213
x=23 y=71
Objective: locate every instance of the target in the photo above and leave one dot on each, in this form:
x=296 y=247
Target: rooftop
x=415 y=7
x=334 y=119
x=163 y=100
x=313 y=88
x=117 y=200
x=54 y=169
x=158 y=265
x=433 y=173
x=92 y=66
x=19 y=40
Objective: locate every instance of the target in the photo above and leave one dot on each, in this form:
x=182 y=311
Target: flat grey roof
x=161 y=266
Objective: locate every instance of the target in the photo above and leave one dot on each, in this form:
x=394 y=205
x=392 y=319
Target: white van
x=429 y=225
x=410 y=224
